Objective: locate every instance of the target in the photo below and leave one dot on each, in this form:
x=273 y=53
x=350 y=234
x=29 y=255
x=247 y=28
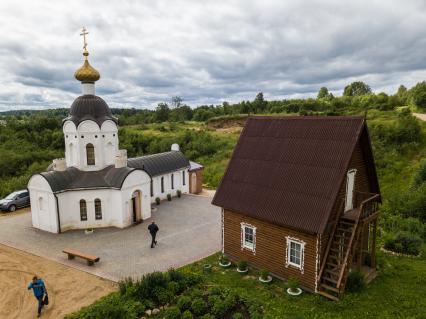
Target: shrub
x=169 y=197
x=223 y=259
x=405 y=243
x=264 y=274
x=184 y=303
x=163 y=295
x=355 y=281
x=207 y=316
x=125 y=285
x=157 y=200
x=420 y=175
x=237 y=316
x=214 y=291
x=179 y=193
x=187 y=315
x=172 y=313
x=242 y=265
x=293 y=283
x=199 y=307
x=219 y=308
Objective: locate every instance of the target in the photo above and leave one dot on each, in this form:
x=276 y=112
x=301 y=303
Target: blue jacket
x=38 y=288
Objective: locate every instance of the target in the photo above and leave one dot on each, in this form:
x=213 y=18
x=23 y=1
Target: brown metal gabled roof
x=288 y=170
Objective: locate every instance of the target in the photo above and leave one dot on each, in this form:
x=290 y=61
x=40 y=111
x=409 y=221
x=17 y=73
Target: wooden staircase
x=341 y=248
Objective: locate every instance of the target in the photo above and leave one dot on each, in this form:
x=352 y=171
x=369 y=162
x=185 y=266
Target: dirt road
x=420 y=116
x=69 y=289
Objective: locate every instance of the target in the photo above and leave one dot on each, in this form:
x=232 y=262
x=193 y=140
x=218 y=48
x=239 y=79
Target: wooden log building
x=300 y=198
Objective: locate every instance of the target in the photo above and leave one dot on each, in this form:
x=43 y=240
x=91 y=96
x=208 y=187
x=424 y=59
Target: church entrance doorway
x=136 y=207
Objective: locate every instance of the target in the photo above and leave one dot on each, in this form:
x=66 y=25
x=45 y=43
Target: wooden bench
x=72 y=253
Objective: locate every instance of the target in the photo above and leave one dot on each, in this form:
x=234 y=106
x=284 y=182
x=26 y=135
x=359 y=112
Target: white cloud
x=206 y=51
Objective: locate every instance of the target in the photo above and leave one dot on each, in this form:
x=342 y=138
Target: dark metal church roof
x=161 y=163
x=73 y=178
x=288 y=171
x=90 y=107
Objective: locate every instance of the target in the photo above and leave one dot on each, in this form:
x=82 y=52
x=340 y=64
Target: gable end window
x=83 y=210
x=295 y=253
x=248 y=237
x=98 y=209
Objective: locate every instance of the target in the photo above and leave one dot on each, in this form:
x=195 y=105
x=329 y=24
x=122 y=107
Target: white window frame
x=288 y=262
x=244 y=245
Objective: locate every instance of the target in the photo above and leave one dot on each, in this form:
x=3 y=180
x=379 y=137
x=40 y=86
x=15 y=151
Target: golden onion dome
x=87 y=73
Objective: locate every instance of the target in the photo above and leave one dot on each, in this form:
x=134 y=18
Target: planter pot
x=297 y=292
x=265 y=281
x=207 y=268
x=243 y=272
x=225 y=265
x=89 y=231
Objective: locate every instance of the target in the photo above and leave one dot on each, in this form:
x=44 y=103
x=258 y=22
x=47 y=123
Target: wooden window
x=248 y=237
x=152 y=188
x=162 y=184
x=183 y=178
x=173 y=181
x=98 y=209
x=350 y=184
x=83 y=210
x=90 y=154
x=295 y=253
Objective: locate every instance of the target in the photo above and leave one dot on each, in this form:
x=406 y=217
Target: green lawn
x=399 y=291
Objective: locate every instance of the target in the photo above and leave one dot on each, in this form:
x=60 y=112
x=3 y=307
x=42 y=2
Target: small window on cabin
x=98 y=209
x=248 y=235
x=90 y=154
x=295 y=253
x=152 y=188
x=162 y=184
x=183 y=178
x=83 y=210
x=173 y=181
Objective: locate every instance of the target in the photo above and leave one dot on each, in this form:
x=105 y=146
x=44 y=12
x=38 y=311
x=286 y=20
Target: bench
x=72 y=253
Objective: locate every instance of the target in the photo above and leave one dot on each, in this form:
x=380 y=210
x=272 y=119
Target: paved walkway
x=420 y=116
x=190 y=229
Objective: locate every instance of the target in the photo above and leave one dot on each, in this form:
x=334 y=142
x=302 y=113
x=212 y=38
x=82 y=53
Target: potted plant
x=242 y=267
x=179 y=193
x=89 y=231
x=207 y=268
x=157 y=200
x=265 y=277
x=293 y=287
x=169 y=197
x=224 y=261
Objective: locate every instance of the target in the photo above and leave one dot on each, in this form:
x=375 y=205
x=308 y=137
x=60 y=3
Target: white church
x=96 y=185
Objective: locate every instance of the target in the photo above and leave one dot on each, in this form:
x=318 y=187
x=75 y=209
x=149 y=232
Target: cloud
x=207 y=51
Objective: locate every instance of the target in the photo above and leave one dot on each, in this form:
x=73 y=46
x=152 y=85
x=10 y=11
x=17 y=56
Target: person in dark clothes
x=39 y=289
x=153 y=229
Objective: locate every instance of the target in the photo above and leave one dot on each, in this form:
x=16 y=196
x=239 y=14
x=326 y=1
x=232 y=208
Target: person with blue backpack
x=40 y=292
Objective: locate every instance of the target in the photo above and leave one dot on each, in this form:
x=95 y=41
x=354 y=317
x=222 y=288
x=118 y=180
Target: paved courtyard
x=190 y=229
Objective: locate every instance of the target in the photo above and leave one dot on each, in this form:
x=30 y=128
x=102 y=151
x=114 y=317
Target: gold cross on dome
x=84 y=33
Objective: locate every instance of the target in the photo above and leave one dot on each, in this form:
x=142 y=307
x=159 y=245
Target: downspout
x=58 y=215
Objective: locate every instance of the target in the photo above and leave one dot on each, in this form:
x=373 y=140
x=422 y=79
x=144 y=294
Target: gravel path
x=420 y=116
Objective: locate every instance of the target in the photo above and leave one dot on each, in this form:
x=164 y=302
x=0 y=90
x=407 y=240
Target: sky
x=206 y=52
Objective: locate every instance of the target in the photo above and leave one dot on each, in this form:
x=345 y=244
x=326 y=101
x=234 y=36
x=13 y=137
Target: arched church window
x=90 y=153
x=183 y=178
x=162 y=184
x=98 y=209
x=72 y=151
x=83 y=210
x=173 y=181
x=40 y=203
x=152 y=188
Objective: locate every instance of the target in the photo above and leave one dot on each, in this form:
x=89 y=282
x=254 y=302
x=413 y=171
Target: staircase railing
x=330 y=240
x=364 y=211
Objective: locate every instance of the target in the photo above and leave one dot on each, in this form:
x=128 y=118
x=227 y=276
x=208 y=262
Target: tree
x=162 y=112
x=357 y=88
x=418 y=95
x=176 y=101
x=259 y=104
x=322 y=93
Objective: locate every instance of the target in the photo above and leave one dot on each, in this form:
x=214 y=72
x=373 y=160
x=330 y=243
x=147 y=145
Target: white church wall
x=43 y=204
x=110 y=141
x=69 y=209
x=178 y=184
x=135 y=181
x=71 y=144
